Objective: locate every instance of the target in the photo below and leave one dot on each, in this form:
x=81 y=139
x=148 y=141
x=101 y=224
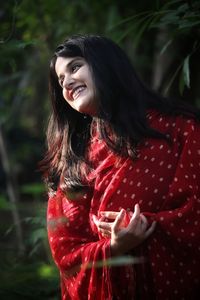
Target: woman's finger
x=150 y=230
x=109 y=214
x=136 y=212
x=105 y=233
x=105 y=225
x=118 y=220
x=135 y=217
x=144 y=219
x=144 y=222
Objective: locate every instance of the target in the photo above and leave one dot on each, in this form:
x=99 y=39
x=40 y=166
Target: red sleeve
x=76 y=249
x=174 y=248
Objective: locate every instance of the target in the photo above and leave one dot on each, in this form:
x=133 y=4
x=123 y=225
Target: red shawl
x=164 y=180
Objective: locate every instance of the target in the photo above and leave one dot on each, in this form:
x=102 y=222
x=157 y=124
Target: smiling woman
x=122 y=170
x=77 y=85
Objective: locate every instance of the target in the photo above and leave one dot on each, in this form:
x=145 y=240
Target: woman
x=122 y=168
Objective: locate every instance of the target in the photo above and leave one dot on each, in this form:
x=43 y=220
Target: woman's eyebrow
x=72 y=61
x=68 y=65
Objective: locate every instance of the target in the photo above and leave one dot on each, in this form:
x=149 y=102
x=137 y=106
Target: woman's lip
x=77 y=93
x=71 y=92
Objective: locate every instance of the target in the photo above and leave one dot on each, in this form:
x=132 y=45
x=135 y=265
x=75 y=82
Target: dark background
x=162 y=39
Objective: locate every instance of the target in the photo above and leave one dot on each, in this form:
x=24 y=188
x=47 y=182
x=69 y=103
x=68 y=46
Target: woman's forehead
x=62 y=63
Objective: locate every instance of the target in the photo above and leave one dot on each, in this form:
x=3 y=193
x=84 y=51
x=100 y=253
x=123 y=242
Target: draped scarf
x=164 y=180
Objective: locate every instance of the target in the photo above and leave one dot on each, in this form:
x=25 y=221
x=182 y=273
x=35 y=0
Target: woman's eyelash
x=75 y=67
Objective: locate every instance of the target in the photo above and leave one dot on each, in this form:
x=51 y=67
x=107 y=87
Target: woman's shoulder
x=184 y=124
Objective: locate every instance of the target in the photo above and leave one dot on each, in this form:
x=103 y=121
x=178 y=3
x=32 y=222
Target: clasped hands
x=125 y=235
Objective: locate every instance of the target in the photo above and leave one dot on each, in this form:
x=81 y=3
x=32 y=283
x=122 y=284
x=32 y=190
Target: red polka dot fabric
x=164 y=180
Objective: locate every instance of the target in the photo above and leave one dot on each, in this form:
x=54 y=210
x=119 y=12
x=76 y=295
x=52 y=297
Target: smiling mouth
x=76 y=91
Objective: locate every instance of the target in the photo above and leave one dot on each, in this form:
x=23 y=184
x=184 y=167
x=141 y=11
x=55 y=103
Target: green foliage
x=25 y=280
x=36 y=189
x=4 y=205
x=186 y=71
x=116 y=262
x=30 y=30
x=181 y=19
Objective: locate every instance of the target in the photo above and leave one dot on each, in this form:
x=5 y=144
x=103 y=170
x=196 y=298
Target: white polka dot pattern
x=164 y=180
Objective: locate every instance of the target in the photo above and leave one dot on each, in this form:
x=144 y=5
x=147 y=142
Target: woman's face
x=75 y=79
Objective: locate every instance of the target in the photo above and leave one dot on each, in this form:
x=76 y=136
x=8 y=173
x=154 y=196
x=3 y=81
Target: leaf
x=33 y=188
x=172 y=79
x=37 y=235
x=169 y=19
x=115 y=261
x=138 y=27
x=8 y=231
x=131 y=18
x=4 y=204
x=188 y=24
x=181 y=84
x=183 y=8
x=169 y=3
x=186 y=71
x=47 y=271
x=166 y=45
x=22 y=44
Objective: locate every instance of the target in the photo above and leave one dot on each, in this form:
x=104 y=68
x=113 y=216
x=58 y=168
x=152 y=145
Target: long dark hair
x=124 y=102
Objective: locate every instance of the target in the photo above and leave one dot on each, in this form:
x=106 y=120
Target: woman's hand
x=124 y=236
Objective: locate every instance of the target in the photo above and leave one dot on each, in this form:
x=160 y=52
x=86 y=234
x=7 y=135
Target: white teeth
x=77 y=91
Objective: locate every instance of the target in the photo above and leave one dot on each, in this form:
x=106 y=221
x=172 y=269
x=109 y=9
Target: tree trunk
x=11 y=191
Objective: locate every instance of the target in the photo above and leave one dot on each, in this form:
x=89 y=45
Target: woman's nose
x=68 y=82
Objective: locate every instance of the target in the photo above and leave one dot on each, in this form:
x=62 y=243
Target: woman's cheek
x=64 y=92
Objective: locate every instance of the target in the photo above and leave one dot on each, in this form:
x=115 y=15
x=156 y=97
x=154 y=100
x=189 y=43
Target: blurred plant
x=29 y=32
x=177 y=21
x=20 y=275
x=27 y=281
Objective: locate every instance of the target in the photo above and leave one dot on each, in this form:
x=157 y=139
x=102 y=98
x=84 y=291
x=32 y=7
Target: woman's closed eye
x=72 y=69
x=75 y=67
